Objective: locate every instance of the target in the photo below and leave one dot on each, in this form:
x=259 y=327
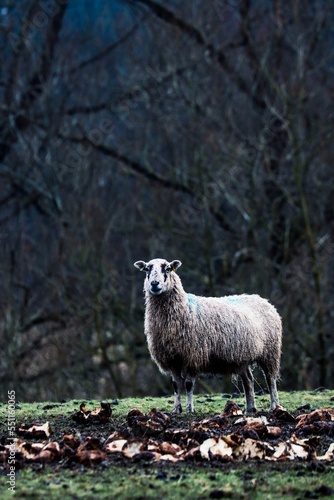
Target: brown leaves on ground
x=252 y=438
x=99 y=415
x=147 y=425
x=207 y=439
x=34 y=452
x=273 y=437
x=231 y=409
x=36 y=431
x=317 y=422
x=282 y=414
x=88 y=452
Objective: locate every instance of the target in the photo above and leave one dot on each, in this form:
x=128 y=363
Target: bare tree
x=202 y=132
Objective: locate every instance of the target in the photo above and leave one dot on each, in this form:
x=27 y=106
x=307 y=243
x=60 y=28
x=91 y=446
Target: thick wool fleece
x=198 y=335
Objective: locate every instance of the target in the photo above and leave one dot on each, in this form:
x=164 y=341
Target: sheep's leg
x=190 y=382
x=177 y=384
x=248 y=383
x=271 y=382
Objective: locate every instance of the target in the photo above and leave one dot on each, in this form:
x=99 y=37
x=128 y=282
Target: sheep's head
x=158 y=272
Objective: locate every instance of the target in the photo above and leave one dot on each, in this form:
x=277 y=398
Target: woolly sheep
x=188 y=335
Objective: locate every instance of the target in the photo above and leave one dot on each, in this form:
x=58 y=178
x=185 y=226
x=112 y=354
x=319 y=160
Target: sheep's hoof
x=177 y=409
x=250 y=411
x=277 y=407
x=190 y=409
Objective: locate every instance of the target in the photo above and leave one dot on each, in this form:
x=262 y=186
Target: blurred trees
x=142 y=128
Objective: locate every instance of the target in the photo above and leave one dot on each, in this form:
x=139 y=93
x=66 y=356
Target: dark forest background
x=133 y=129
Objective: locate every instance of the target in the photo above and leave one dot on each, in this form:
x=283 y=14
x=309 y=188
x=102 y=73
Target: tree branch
x=169 y=17
x=106 y=51
x=35 y=84
x=134 y=165
x=152 y=176
x=131 y=94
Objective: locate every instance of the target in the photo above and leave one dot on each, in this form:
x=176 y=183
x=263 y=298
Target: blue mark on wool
x=236 y=300
x=192 y=299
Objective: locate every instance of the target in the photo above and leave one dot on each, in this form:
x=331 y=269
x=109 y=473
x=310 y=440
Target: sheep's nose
x=155 y=287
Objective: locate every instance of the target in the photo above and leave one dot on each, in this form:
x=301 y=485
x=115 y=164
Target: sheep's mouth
x=155 y=290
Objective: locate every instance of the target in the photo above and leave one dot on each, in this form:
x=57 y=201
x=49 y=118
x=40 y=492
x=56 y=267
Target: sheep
x=189 y=335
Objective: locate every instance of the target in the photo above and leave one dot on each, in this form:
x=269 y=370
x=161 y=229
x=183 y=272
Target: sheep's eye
x=148 y=270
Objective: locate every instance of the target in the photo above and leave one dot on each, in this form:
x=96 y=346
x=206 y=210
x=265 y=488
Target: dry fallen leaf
x=282 y=414
x=258 y=425
x=133 y=415
x=170 y=448
x=320 y=415
x=221 y=449
x=98 y=415
x=159 y=416
x=251 y=420
x=114 y=436
x=193 y=453
x=255 y=430
x=205 y=447
x=274 y=432
x=292 y=449
x=149 y=425
x=89 y=452
x=132 y=448
x=216 y=422
x=317 y=428
x=101 y=414
x=53 y=447
x=89 y=457
x=115 y=446
x=38 y=452
x=300 y=448
x=329 y=455
x=152 y=445
x=281 y=452
x=233 y=440
x=37 y=431
x=231 y=409
x=30 y=451
x=253 y=449
x=70 y=441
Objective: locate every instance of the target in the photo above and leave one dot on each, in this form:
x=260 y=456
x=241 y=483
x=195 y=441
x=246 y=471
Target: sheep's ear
x=175 y=264
x=141 y=265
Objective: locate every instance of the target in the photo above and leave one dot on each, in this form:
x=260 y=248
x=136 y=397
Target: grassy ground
x=131 y=479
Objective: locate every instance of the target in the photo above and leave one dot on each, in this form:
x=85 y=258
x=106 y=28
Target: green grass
x=256 y=481
x=148 y=480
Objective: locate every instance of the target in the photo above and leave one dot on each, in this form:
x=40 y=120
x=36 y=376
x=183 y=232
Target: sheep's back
x=215 y=335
